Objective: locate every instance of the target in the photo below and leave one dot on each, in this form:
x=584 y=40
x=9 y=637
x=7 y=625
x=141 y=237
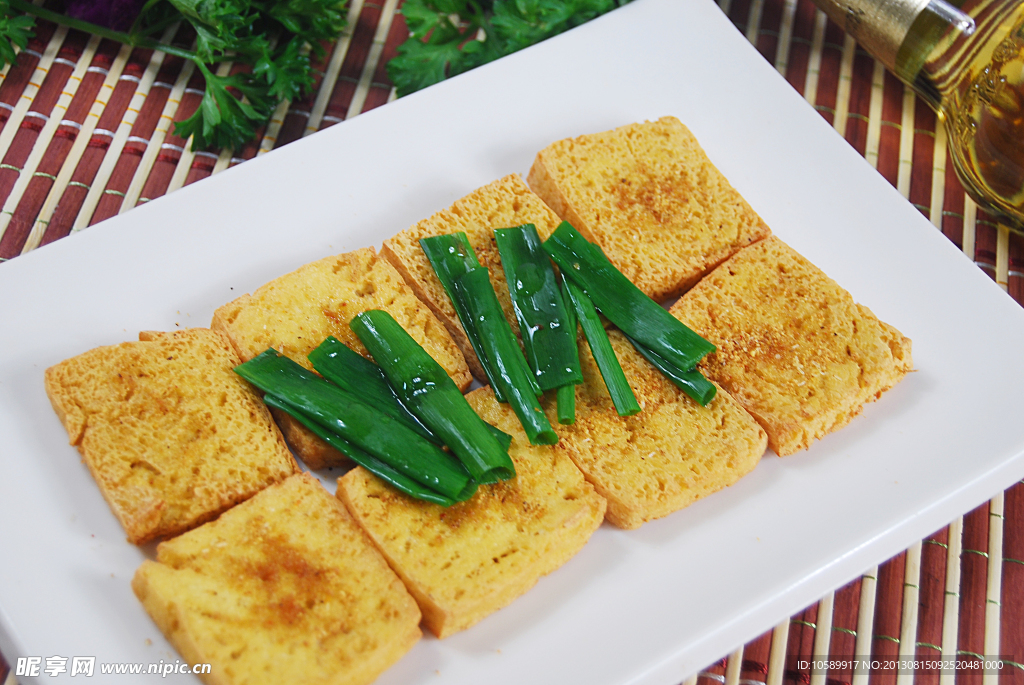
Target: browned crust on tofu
x=793 y=347
x=283 y=588
x=650 y=197
x=314 y=452
x=504 y=203
x=668 y=456
x=473 y=558
x=296 y=312
x=171 y=434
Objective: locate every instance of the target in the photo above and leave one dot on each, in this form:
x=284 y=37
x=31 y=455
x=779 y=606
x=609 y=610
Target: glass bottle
x=967 y=62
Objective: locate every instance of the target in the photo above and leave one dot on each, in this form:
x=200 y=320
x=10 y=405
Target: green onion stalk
x=329 y=410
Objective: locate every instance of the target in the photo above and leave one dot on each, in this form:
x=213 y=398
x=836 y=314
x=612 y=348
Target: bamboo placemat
x=86 y=135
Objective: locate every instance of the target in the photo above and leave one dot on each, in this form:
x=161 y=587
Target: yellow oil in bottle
x=976 y=84
x=987 y=122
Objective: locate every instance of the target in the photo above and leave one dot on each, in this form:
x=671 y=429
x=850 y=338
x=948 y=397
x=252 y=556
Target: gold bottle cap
x=878 y=25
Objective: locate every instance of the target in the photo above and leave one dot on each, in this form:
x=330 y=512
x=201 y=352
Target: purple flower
x=115 y=14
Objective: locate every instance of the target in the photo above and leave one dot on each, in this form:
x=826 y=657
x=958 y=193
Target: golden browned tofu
x=668 y=456
x=793 y=347
x=296 y=312
x=284 y=588
x=473 y=558
x=650 y=197
x=172 y=436
x=504 y=203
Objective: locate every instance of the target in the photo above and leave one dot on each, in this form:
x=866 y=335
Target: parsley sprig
x=267 y=37
x=449 y=37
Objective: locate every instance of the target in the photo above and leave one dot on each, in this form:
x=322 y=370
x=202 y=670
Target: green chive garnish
x=625 y=305
x=451 y=256
x=548 y=341
x=368 y=429
x=428 y=391
x=601 y=347
x=692 y=382
x=365 y=459
x=351 y=371
x=473 y=292
x=566 y=398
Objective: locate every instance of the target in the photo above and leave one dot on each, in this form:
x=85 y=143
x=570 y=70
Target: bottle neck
x=936 y=58
x=904 y=34
x=879 y=26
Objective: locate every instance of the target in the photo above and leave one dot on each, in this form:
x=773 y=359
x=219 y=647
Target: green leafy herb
x=449 y=37
x=15 y=30
x=269 y=39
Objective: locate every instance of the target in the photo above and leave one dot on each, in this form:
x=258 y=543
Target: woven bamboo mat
x=86 y=135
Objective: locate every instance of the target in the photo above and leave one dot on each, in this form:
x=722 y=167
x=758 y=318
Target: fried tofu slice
x=650 y=197
x=284 y=588
x=664 y=458
x=793 y=347
x=172 y=436
x=465 y=562
x=505 y=203
x=296 y=312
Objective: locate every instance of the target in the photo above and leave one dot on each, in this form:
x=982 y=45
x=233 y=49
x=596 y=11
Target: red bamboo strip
x=70 y=203
x=167 y=160
x=38 y=112
x=714 y=674
x=768 y=34
x=202 y=167
x=1012 y=600
x=953 y=209
x=352 y=67
x=31 y=203
x=1015 y=282
x=843 y=641
x=739 y=13
x=973 y=591
x=800 y=44
x=889 y=137
x=888 y=617
x=380 y=89
x=860 y=101
x=931 y=602
x=205 y=160
x=21 y=71
x=144 y=126
x=924 y=148
x=294 y=122
x=828 y=77
x=800 y=646
x=756 y=655
x=985 y=237
x=729 y=9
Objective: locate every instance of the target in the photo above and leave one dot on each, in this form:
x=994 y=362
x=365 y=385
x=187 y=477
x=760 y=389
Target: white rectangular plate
x=647 y=606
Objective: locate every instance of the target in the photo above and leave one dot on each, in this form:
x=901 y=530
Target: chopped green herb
x=449 y=37
x=272 y=39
